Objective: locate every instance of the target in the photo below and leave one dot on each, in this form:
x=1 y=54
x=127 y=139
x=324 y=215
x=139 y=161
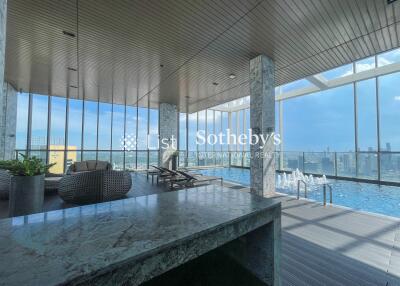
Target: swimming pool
x=359 y=196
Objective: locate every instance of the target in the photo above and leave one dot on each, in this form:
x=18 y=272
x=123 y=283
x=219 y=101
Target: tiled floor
x=320 y=245
x=140 y=187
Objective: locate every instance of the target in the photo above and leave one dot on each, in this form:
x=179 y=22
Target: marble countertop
x=76 y=244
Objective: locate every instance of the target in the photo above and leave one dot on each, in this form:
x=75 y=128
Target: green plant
x=28 y=166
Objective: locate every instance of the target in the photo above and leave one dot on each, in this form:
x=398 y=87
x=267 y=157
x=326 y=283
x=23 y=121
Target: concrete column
x=168 y=129
x=262 y=122
x=8 y=96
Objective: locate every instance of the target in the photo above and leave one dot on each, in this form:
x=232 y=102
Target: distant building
x=56 y=155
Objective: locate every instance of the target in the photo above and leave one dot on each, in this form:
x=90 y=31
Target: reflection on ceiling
x=185 y=52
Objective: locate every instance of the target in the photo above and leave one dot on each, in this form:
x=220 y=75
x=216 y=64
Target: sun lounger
x=189 y=180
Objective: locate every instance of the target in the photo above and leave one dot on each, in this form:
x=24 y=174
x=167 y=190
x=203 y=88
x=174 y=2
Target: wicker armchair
x=5 y=182
x=94 y=186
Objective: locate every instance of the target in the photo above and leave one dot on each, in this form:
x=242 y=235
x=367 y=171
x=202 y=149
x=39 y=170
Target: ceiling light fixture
x=232 y=76
x=69 y=34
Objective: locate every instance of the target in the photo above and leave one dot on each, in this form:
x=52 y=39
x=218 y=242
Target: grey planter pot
x=26 y=195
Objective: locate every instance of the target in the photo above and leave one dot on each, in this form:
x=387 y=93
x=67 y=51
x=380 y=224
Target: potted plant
x=27 y=184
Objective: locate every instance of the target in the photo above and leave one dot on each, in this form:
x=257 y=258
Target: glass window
x=210 y=131
x=365 y=64
x=389 y=105
x=192 y=131
x=57 y=134
x=118 y=141
x=240 y=128
x=338 y=72
x=367 y=165
x=182 y=146
x=182 y=131
x=153 y=136
x=75 y=123
x=57 y=122
x=202 y=128
x=233 y=131
x=322 y=121
x=217 y=129
x=298 y=84
x=277 y=117
x=210 y=127
x=366 y=113
x=90 y=128
x=131 y=124
x=192 y=146
x=225 y=127
x=143 y=119
x=39 y=123
x=153 y=131
x=388 y=58
x=118 y=128
x=74 y=130
x=22 y=120
x=247 y=128
x=142 y=128
x=104 y=137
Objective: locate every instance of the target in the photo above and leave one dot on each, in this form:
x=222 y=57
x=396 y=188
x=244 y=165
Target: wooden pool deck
x=337 y=246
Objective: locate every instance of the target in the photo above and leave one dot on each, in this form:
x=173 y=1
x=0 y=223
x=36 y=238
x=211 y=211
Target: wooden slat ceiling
x=173 y=51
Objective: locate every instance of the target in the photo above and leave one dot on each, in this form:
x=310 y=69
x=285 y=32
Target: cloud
x=365 y=67
x=384 y=61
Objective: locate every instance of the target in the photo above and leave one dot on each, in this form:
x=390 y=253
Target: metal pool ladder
x=298 y=188
x=330 y=193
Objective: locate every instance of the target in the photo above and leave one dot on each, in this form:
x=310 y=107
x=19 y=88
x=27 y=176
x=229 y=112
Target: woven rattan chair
x=5 y=182
x=94 y=186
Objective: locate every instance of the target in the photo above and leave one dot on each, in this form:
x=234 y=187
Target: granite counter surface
x=75 y=245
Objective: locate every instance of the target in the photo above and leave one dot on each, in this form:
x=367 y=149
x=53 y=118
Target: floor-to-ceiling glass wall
x=182 y=141
x=119 y=143
x=153 y=136
x=57 y=134
x=341 y=123
x=64 y=130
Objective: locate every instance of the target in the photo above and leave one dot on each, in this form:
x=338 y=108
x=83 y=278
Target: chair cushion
x=91 y=165
x=80 y=166
x=101 y=165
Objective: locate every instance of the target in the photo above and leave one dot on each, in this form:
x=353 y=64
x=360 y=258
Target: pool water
x=359 y=196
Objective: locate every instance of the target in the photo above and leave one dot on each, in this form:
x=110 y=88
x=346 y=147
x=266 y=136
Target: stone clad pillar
x=3 y=21
x=8 y=97
x=262 y=121
x=168 y=130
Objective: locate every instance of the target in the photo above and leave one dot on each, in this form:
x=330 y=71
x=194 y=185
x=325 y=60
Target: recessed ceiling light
x=215 y=83
x=69 y=34
x=232 y=76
